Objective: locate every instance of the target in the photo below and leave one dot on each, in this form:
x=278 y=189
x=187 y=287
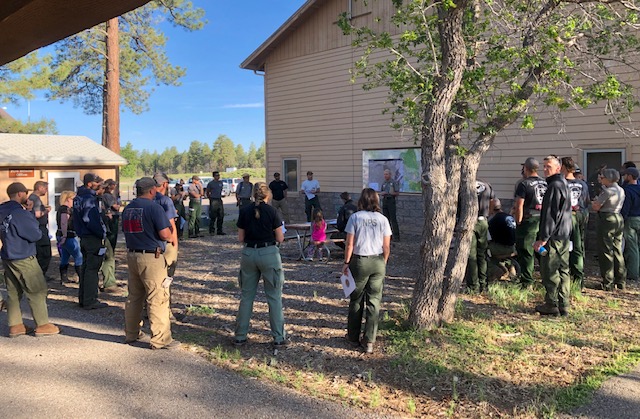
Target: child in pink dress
x=318 y=231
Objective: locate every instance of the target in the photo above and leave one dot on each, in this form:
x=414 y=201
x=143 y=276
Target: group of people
x=549 y=217
x=149 y=224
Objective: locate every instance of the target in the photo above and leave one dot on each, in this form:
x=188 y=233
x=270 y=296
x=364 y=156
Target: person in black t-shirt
x=502 y=229
x=279 y=190
x=344 y=213
x=259 y=229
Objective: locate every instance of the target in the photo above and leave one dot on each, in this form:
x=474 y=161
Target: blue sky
x=216 y=96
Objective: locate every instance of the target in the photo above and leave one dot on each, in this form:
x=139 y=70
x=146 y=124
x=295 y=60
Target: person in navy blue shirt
x=146 y=230
x=92 y=232
x=19 y=232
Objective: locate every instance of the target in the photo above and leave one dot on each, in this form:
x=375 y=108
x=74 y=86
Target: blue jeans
x=70 y=249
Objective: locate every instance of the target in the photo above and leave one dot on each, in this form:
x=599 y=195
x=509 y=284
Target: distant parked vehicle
x=235 y=181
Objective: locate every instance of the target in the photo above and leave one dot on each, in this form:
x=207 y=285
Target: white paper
x=348 y=283
x=284 y=230
x=570 y=246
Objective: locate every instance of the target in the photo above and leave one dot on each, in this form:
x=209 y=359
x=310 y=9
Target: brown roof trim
x=26 y=25
x=257 y=59
x=5 y=115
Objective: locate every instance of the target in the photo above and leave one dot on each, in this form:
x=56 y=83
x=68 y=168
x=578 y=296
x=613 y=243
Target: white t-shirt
x=308 y=186
x=369 y=230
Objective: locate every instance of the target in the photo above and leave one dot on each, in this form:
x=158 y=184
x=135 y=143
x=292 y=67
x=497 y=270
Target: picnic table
x=303 y=230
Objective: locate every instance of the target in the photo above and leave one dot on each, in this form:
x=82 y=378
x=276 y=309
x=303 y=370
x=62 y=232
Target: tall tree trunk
x=433 y=289
x=111 y=100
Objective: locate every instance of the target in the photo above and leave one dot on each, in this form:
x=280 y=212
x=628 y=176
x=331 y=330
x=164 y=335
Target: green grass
x=511 y=296
x=200 y=310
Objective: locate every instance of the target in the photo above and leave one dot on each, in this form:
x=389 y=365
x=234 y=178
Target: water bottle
x=542 y=251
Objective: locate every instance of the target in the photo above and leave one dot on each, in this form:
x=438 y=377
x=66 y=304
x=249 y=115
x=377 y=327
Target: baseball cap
x=276 y=174
x=89 y=177
x=531 y=163
x=246 y=175
x=577 y=169
x=160 y=178
x=146 y=183
x=309 y=172
x=631 y=171
x=16 y=187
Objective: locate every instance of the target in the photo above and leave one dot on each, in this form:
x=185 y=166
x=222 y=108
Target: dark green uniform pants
x=554 y=269
x=526 y=234
x=389 y=211
x=216 y=215
x=263 y=262
x=195 y=211
x=91 y=263
x=632 y=247
x=368 y=273
x=477 y=263
x=108 y=267
x=576 y=257
x=609 y=233
x=24 y=276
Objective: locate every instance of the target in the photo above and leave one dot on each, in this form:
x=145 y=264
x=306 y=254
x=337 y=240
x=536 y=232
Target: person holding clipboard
x=366 y=255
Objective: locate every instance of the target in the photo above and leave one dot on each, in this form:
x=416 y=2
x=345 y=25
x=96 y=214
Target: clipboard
x=348 y=283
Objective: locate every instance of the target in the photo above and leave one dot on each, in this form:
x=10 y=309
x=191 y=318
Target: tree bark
x=111 y=101
x=434 y=293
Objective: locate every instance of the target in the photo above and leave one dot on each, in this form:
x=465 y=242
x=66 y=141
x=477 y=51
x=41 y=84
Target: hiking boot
x=281 y=344
x=239 y=342
x=47 y=330
x=367 y=347
x=352 y=343
x=619 y=286
x=547 y=309
x=222 y=233
x=564 y=311
x=173 y=346
x=95 y=306
x=64 y=274
x=141 y=337
x=111 y=290
x=18 y=330
x=606 y=287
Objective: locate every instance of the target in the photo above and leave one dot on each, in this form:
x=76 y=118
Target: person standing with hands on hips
x=259 y=229
x=309 y=189
x=147 y=229
x=368 y=246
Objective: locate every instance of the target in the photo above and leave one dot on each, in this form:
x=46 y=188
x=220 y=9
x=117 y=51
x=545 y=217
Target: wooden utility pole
x=111 y=99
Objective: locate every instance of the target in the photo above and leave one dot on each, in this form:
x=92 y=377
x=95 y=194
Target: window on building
x=595 y=160
x=290 y=173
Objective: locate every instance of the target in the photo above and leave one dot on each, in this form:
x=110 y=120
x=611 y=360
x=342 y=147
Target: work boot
x=547 y=309
x=64 y=274
x=18 y=330
x=78 y=270
x=47 y=330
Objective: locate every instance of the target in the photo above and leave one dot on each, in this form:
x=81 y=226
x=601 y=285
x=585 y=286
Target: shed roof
x=54 y=150
x=257 y=59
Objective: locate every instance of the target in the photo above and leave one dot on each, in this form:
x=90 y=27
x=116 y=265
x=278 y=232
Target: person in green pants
x=580 y=201
x=553 y=235
x=196 y=190
x=259 y=229
x=631 y=214
x=528 y=203
x=609 y=231
x=477 y=264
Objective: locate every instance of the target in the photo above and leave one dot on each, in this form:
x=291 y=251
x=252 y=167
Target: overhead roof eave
x=258 y=58
x=26 y=25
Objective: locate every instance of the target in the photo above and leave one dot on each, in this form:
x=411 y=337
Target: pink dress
x=319 y=234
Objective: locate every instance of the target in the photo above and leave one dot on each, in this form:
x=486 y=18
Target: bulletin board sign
x=404 y=165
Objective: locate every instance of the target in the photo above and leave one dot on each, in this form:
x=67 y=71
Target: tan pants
x=283 y=206
x=146 y=274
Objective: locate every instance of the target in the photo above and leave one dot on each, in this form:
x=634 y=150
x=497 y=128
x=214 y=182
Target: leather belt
x=365 y=257
x=143 y=251
x=259 y=245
